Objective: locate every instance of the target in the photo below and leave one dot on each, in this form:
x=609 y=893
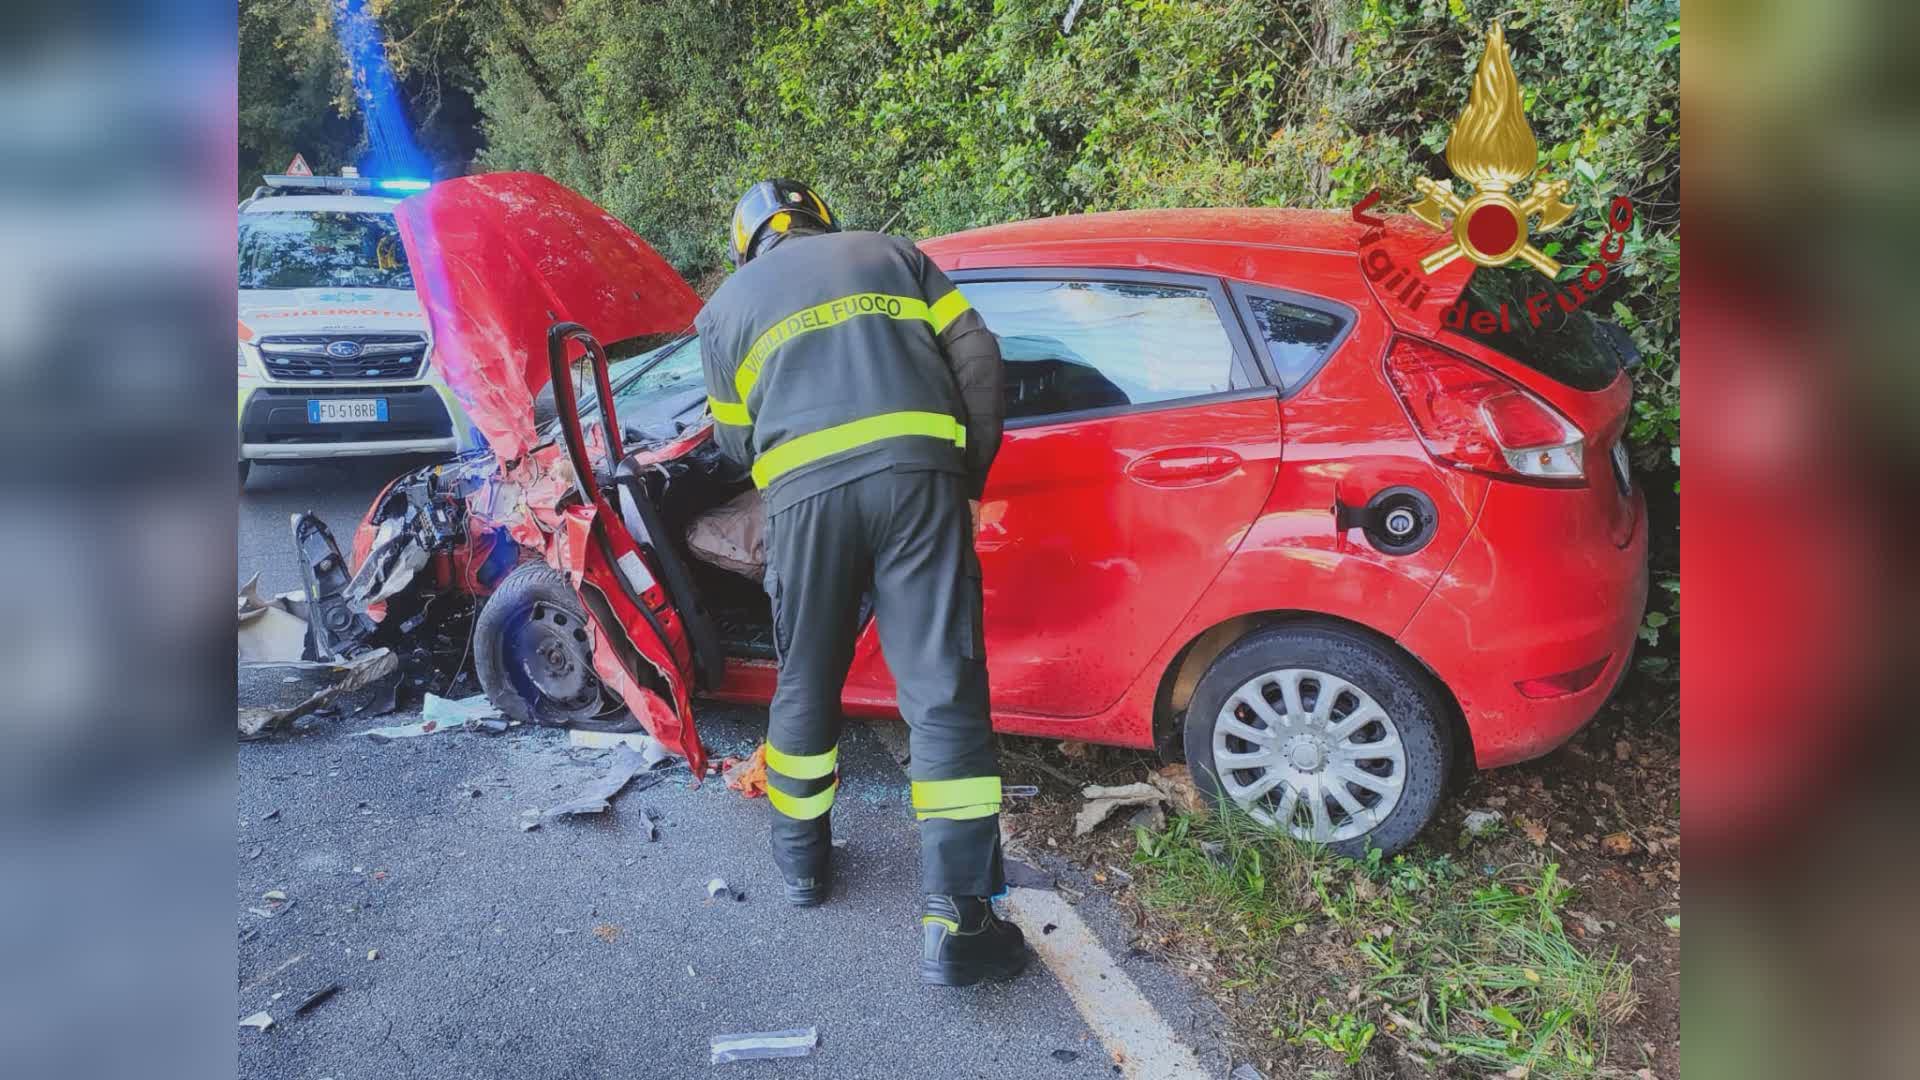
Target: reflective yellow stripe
x=962 y=813
x=802 y=807
x=940 y=920
x=730 y=412
x=819 y=317
x=815 y=445
x=801 y=766
x=956 y=800
x=946 y=309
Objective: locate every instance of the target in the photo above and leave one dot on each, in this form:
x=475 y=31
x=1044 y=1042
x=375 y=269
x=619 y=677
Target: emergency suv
x=333 y=343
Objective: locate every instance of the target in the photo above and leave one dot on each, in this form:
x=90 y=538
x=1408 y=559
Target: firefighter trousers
x=907 y=536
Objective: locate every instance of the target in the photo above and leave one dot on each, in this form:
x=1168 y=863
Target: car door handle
x=1183 y=465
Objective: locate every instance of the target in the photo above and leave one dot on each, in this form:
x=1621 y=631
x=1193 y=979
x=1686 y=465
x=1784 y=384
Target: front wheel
x=1323 y=732
x=533 y=650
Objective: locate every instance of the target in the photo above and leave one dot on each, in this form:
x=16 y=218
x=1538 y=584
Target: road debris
x=1066 y=1057
x=748 y=776
x=373 y=954
x=1020 y=791
x=408 y=731
x=1617 y=844
x=1245 y=1071
x=270 y=703
x=650 y=821
x=1103 y=801
x=798 y=1042
x=718 y=889
x=316 y=998
x=259 y=1021
x=649 y=747
x=607 y=932
x=464 y=711
x=271 y=631
x=596 y=797
x=1481 y=823
x=1176 y=782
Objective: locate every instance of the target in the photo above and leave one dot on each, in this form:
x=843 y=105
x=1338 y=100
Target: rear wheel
x=533 y=650
x=1324 y=732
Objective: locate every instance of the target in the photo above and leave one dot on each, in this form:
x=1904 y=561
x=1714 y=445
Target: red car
x=1246 y=508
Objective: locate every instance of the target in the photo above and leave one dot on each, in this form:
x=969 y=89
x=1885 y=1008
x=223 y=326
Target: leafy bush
x=927 y=116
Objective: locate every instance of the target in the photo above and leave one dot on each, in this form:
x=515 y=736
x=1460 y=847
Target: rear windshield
x=326 y=249
x=1568 y=347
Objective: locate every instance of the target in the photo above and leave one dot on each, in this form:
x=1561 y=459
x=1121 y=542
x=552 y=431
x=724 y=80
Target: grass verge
x=1354 y=965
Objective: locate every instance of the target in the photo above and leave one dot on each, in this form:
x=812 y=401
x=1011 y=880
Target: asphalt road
x=339 y=492
x=582 y=949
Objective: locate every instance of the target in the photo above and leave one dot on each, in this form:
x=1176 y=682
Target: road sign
x=299 y=167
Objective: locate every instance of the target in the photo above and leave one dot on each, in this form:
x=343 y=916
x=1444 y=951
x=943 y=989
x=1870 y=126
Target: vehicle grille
x=382 y=357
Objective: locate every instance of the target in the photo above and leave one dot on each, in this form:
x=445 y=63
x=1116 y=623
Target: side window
x=1297 y=338
x=1075 y=345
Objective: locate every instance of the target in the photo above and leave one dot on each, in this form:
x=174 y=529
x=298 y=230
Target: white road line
x=1128 y=1027
x=1136 y=1036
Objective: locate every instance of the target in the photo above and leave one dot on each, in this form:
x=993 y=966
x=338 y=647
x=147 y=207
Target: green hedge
x=926 y=116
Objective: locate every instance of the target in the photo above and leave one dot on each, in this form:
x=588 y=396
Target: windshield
x=651 y=390
x=307 y=249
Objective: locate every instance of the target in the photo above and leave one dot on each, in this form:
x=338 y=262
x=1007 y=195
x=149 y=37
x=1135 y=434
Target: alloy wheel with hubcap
x=1310 y=751
x=1324 y=730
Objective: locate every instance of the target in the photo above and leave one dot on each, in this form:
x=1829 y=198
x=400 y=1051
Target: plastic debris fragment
x=454 y=713
x=798 y=1042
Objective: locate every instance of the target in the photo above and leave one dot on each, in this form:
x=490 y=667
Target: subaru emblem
x=344 y=350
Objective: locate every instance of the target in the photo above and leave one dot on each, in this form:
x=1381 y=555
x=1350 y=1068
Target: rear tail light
x=1472 y=418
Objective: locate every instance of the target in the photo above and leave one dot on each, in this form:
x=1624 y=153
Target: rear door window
x=1297 y=334
x=1075 y=346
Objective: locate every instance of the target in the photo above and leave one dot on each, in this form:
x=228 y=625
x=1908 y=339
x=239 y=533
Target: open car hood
x=497 y=260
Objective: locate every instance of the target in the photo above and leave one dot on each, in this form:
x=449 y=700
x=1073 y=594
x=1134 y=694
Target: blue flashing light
x=405 y=185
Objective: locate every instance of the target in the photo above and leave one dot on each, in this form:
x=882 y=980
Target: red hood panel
x=499 y=258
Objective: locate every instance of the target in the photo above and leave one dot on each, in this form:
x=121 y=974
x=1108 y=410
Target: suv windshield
x=1570 y=347
x=322 y=249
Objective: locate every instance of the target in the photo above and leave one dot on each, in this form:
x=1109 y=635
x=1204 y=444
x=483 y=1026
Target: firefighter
x=862 y=391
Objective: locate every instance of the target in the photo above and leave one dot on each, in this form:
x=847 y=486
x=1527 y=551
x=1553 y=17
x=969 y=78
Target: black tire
x=245 y=468
x=1417 y=709
x=530 y=641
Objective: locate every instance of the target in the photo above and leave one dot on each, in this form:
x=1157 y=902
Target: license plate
x=346 y=410
x=1622 y=468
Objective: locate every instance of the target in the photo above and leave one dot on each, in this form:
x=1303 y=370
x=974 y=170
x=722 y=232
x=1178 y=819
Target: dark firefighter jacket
x=837 y=355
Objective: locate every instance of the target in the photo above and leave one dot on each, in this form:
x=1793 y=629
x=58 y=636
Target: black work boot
x=964 y=941
x=810 y=891
x=803 y=850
